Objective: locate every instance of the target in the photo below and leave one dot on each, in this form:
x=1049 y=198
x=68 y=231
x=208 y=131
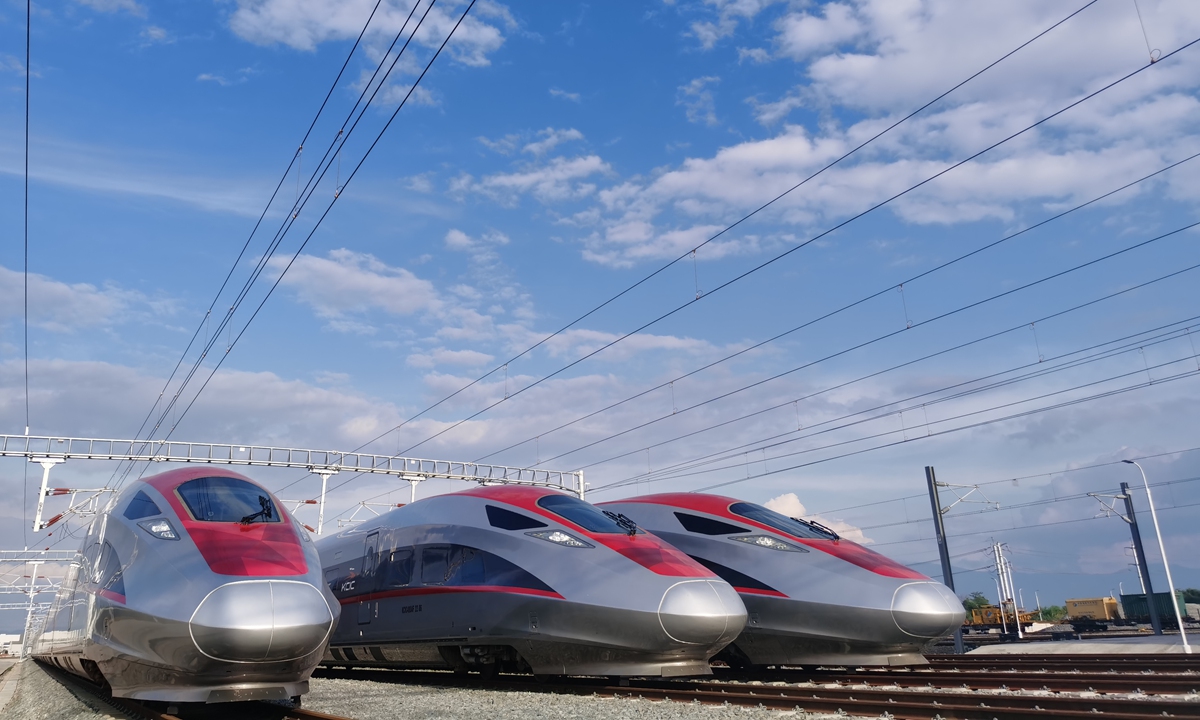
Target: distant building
x=10 y=644
x=1193 y=610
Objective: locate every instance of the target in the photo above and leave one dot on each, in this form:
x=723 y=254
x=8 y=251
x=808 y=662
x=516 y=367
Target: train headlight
x=768 y=542
x=559 y=537
x=160 y=528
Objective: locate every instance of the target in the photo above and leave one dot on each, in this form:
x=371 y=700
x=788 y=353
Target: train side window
x=508 y=520
x=399 y=568
x=110 y=576
x=141 y=506
x=707 y=526
x=435 y=560
x=500 y=572
x=466 y=566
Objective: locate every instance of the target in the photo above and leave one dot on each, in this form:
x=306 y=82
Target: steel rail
x=1099 y=682
x=897 y=703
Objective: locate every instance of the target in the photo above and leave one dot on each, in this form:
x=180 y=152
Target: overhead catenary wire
x=682 y=474
x=798 y=246
x=764 y=206
x=839 y=310
x=983 y=423
x=1160 y=508
x=1014 y=479
x=1028 y=504
x=884 y=336
x=329 y=207
x=892 y=408
x=204 y=320
x=940 y=433
x=341 y=137
x=25 y=326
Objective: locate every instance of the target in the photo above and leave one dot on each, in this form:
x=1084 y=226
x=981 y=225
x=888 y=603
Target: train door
x=370 y=561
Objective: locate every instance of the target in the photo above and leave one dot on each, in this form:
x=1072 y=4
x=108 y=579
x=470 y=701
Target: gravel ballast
x=41 y=697
x=366 y=700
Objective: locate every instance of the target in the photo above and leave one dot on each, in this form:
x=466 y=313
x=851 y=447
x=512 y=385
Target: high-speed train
x=194 y=585
x=518 y=578
x=812 y=597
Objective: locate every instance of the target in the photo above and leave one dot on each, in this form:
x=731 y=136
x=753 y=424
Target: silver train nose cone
x=701 y=612
x=926 y=609
x=261 y=620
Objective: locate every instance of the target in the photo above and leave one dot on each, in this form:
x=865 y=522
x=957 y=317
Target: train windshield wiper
x=265 y=513
x=623 y=522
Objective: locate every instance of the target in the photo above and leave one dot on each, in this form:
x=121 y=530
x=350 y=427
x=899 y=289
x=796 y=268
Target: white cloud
x=304 y=24
x=155 y=35
x=770 y=113
x=904 y=54
x=115 y=6
x=573 y=97
x=802 y=34
x=697 y=98
x=348 y=282
x=790 y=505
x=550 y=139
x=728 y=14
x=755 y=55
x=556 y=180
x=116 y=170
x=442 y=356
x=209 y=77
x=505 y=145
x=62 y=307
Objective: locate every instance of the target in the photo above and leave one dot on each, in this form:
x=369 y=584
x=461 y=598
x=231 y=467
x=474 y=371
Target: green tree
x=975 y=600
x=1053 y=613
x=1191 y=595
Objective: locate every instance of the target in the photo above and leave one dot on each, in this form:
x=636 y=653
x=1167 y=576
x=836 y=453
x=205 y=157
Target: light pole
x=1163 y=551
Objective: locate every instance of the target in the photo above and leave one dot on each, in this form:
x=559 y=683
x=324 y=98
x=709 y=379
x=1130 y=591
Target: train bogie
x=812 y=597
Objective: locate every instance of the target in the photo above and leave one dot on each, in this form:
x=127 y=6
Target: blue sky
x=555 y=155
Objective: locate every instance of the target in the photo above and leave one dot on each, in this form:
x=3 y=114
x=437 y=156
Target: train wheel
x=489 y=671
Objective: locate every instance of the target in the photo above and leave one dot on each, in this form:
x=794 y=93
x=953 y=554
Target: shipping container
x=1136 y=608
x=1103 y=608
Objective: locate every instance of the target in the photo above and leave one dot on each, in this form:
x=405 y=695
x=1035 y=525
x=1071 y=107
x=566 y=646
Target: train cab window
x=398 y=568
x=109 y=573
x=226 y=499
x=707 y=526
x=585 y=515
x=509 y=520
x=459 y=566
x=141 y=506
x=783 y=523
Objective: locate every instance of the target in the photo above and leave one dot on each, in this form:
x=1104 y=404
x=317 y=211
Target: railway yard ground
x=976 y=686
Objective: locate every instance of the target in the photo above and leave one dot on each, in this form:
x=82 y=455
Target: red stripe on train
x=411 y=592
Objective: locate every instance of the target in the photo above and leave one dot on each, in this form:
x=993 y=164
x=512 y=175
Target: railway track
x=141 y=711
x=1098 y=682
x=871 y=701
x=1069 y=663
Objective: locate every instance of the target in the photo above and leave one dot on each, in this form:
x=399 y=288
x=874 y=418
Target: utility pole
x=1162 y=552
x=1004 y=586
x=1140 y=555
x=943 y=550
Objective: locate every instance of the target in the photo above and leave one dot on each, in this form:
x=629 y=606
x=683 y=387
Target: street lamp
x=1163 y=551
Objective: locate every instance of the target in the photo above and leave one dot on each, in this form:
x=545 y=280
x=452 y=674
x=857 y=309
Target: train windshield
x=585 y=515
x=782 y=523
x=226 y=499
